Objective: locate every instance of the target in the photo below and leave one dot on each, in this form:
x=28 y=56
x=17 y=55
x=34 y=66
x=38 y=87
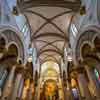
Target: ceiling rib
x=50 y=43
x=51 y=3
x=49 y=57
x=49 y=34
x=48 y=21
x=51 y=50
x=43 y=61
x=48 y=46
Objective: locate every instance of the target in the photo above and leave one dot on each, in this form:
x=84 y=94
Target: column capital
x=76 y=71
x=19 y=69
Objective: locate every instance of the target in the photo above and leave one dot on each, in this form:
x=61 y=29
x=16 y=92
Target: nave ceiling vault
x=49 y=21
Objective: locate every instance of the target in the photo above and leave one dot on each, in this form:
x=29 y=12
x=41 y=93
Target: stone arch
x=12 y=52
x=70 y=69
x=51 y=60
x=13 y=36
x=86 y=45
x=2 y=44
x=13 y=44
x=87 y=34
x=12 y=49
x=96 y=35
x=96 y=42
x=3 y=36
x=44 y=61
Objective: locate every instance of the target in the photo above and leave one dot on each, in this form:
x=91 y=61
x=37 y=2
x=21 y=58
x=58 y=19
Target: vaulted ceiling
x=49 y=21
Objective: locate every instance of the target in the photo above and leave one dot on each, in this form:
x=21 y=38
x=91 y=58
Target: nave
x=49 y=50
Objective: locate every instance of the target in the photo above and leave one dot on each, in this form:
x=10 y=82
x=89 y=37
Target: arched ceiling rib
x=69 y=4
x=50 y=44
x=49 y=21
x=52 y=53
x=48 y=34
x=50 y=50
x=49 y=58
x=44 y=55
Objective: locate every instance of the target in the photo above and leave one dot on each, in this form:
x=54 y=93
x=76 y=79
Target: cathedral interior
x=49 y=50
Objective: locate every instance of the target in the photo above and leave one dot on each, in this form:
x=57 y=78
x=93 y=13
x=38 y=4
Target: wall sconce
x=15 y=11
x=82 y=10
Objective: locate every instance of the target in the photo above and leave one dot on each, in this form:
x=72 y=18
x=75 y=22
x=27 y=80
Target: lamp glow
x=30 y=59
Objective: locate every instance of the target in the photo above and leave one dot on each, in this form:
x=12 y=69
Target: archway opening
x=91 y=61
x=97 y=44
x=11 y=55
x=13 y=50
x=50 y=81
x=2 y=44
x=85 y=50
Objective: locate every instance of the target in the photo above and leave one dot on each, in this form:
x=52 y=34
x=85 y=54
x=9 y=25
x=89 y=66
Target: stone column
x=16 y=87
x=93 y=81
x=83 y=86
x=61 y=95
x=1 y=71
x=62 y=83
x=69 y=94
x=3 y=74
x=2 y=81
x=9 y=84
x=25 y=89
x=65 y=85
x=39 y=87
x=30 y=95
x=21 y=87
x=36 y=81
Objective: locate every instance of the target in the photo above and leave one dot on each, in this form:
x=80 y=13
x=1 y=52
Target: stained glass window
x=97 y=75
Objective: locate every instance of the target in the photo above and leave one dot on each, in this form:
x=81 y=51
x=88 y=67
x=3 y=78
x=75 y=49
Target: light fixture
x=15 y=11
x=30 y=59
x=82 y=10
x=69 y=58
